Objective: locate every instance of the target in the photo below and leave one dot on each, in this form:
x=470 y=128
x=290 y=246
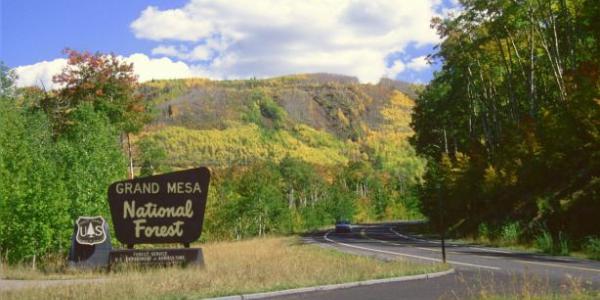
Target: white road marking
x=428 y=249
x=435 y=250
x=388 y=242
x=489 y=250
x=407 y=255
x=437 y=243
x=557 y=265
x=412 y=238
x=504 y=252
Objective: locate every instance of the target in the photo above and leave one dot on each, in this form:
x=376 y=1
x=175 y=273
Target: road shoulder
x=330 y=287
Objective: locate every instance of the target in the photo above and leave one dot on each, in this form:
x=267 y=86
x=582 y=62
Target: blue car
x=343 y=226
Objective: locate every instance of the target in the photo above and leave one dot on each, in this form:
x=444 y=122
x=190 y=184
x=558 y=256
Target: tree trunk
x=531 y=64
x=130 y=156
x=445 y=142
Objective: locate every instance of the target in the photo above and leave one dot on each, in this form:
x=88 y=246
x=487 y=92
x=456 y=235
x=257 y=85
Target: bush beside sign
x=166 y=208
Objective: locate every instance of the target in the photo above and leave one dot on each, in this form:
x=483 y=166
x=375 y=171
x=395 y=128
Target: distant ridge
x=319 y=113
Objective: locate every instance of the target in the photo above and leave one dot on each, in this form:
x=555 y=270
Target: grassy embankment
x=586 y=253
x=248 y=266
x=511 y=237
x=528 y=287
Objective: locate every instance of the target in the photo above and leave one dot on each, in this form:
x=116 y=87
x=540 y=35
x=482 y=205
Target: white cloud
x=418 y=63
x=273 y=37
x=198 y=53
x=146 y=68
x=162 y=68
x=157 y=25
x=39 y=74
x=165 y=50
x=238 y=39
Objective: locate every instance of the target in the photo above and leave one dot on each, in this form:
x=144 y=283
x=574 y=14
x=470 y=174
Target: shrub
x=563 y=243
x=544 y=242
x=271 y=110
x=510 y=233
x=592 y=247
x=484 y=231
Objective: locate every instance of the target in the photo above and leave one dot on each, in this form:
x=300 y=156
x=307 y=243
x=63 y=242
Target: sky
x=232 y=39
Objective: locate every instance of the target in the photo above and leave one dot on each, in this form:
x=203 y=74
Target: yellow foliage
x=396 y=153
x=490 y=177
x=243 y=144
x=363 y=212
x=342 y=117
x=397 y=113
x=389 y=141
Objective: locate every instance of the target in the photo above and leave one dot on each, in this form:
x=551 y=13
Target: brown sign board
x=167 y=208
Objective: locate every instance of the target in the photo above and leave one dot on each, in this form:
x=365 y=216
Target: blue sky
x=33 y=31
x=225 y=39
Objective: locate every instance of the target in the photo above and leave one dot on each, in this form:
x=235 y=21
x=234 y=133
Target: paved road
x=478 y=269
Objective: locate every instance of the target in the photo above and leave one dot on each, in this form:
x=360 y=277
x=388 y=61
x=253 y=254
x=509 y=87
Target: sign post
x=442 y=226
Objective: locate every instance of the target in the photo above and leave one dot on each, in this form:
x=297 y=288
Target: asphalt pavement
x=479 y=270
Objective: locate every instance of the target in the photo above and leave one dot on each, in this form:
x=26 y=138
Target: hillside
x=324 y=119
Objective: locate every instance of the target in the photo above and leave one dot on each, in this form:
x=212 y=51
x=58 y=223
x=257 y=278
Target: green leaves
x=47 y=183
x=103 y=81
x=32 y=200
x=507 y=122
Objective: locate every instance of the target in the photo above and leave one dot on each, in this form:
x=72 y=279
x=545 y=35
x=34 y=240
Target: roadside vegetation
x=543 y=243
x=510 y=125
x=253 y=265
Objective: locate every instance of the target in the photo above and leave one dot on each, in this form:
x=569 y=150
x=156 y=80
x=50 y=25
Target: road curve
x=479 y=269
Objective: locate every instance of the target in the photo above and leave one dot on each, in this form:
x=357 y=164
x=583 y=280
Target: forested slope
x=320 y=118
x=511 y=124
x=288 y=153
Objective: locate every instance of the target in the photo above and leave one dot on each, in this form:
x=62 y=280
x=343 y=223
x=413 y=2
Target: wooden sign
x=167 y=208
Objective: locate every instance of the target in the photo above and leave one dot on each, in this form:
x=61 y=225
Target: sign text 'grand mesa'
x=160 y=209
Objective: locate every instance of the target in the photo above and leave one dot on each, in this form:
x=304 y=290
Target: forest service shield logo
x=90 y=230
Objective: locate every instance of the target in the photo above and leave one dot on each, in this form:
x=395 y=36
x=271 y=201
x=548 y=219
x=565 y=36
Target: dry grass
x=54 y=268
x=525 y=286
x=234 y=268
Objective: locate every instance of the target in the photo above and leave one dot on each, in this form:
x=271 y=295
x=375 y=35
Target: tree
x=509 y=124
x=90 y=159
x=34 y=215
x=255 y=202
x=7 y=80
x=49 y=178
x=105 y=82
x=152 y=157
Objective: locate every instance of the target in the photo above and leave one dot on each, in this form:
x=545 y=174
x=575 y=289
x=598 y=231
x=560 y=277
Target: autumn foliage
x=510 y=123
x=103 y=80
